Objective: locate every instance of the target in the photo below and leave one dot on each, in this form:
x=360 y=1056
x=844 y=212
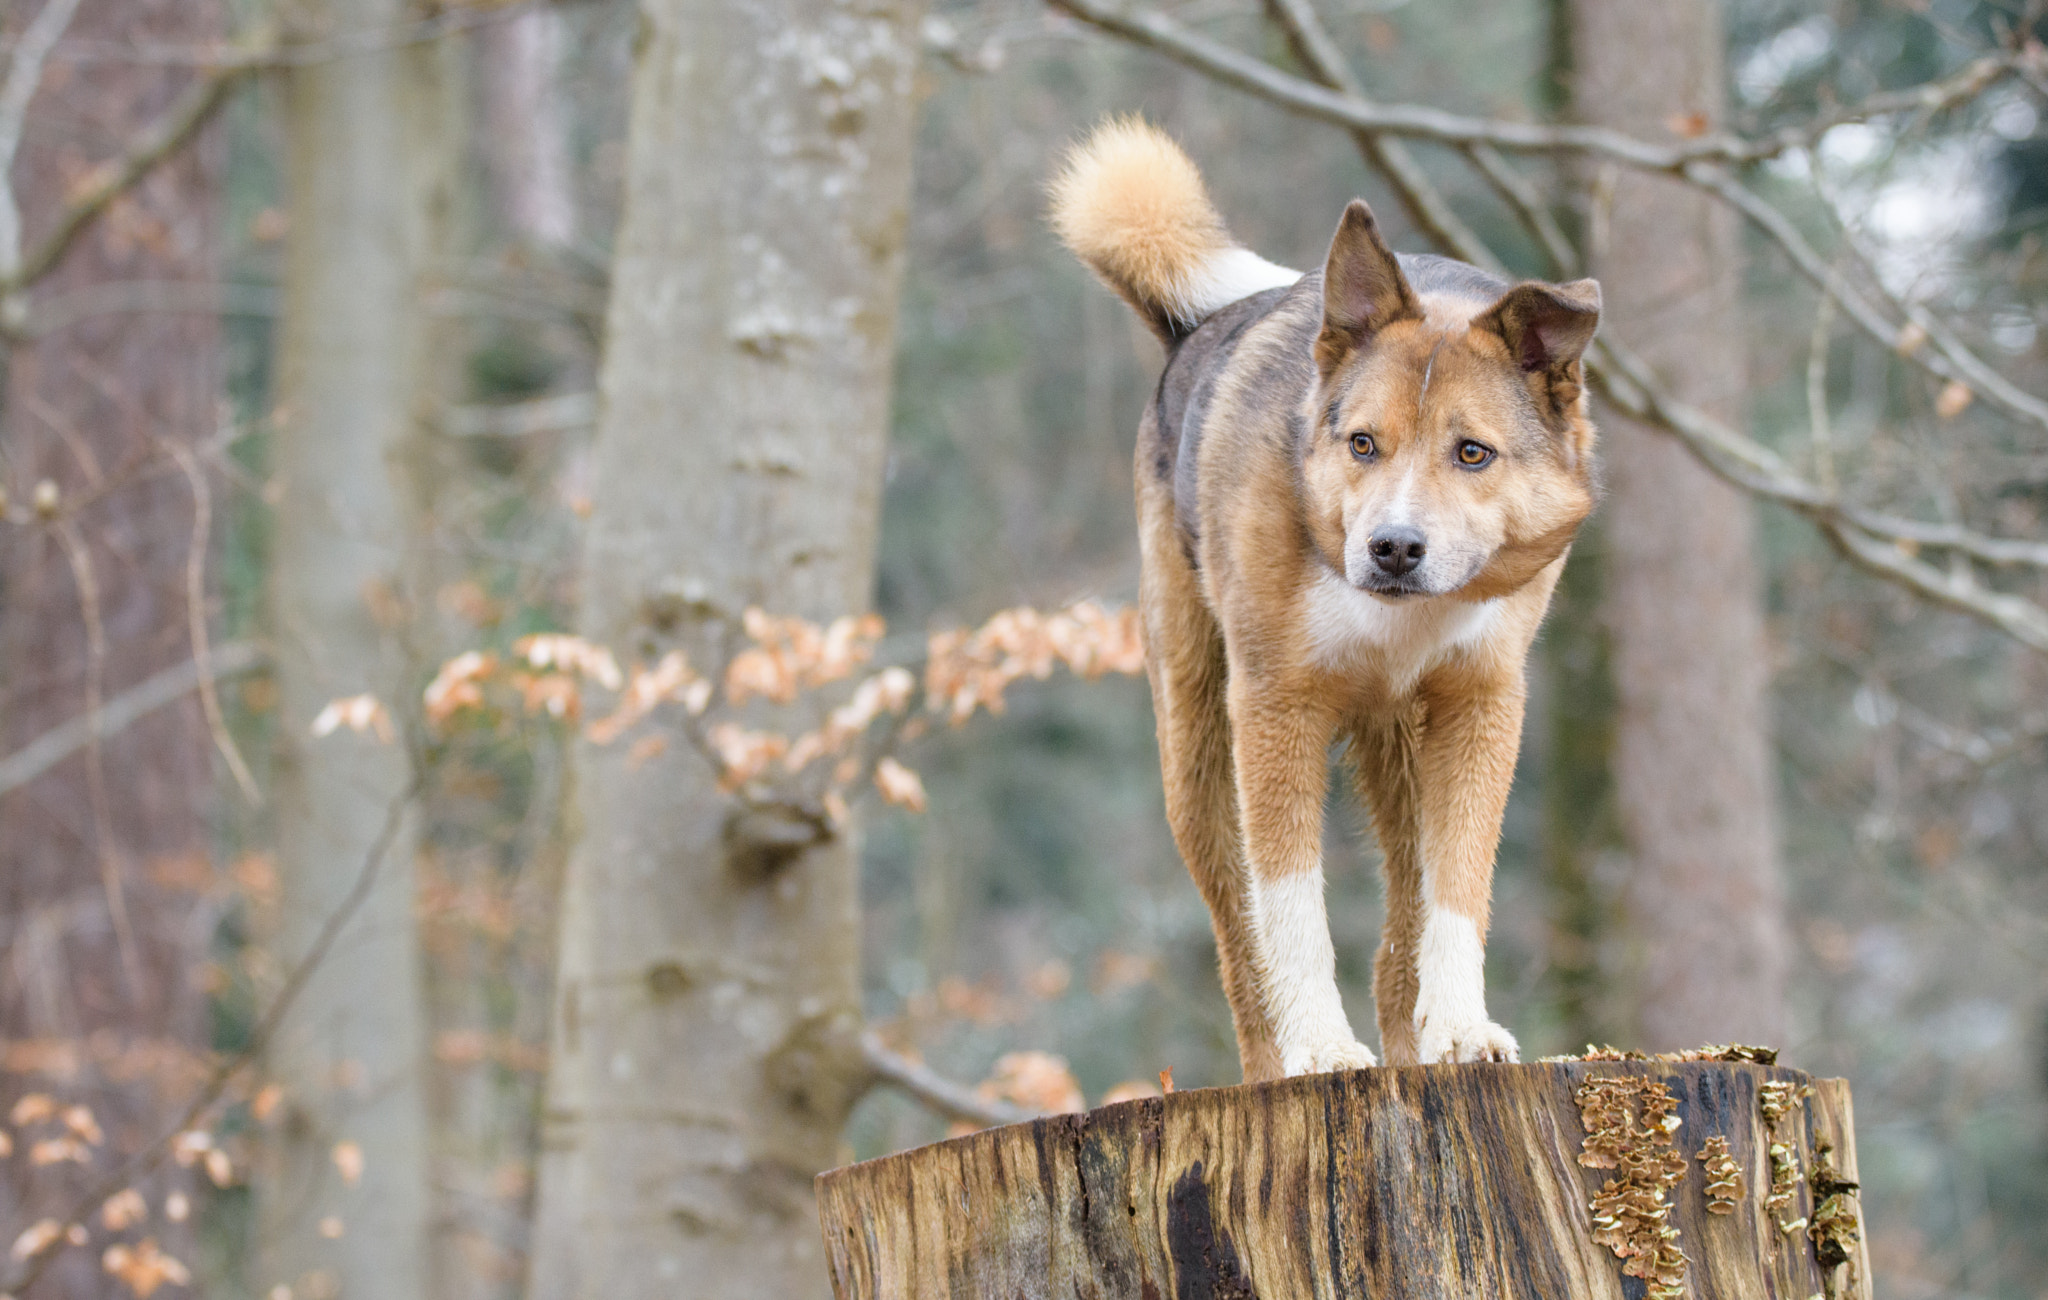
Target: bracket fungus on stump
x=1609 y=1177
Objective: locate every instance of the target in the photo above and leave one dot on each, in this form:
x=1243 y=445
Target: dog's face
x=1447 y=449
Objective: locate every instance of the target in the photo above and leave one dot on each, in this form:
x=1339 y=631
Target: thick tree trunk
x=1692 y=759
x=1476 y=1181
x=351 y=361
x=705 y=1049
x=104 y=916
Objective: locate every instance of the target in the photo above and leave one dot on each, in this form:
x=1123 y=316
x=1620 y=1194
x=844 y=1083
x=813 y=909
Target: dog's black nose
x=1397 y=550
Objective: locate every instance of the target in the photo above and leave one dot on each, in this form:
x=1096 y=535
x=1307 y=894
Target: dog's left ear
x=1546 y=328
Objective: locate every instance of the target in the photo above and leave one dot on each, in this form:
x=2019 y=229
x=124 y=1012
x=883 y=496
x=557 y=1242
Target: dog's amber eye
x=1361 y=445
x=1472 y=454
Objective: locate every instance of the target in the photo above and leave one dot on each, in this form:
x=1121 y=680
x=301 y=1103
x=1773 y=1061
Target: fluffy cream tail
x=1131 y=205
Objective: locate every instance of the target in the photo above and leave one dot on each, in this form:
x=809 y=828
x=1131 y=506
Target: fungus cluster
x=1733 y=1052
x=1629 y=1129
x=1777 y=1101
x=1834 y=1228
x=1725 y=1187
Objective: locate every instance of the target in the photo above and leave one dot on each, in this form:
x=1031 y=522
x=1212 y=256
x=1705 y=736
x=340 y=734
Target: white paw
x=1327 y=1057
x=1444 y=1040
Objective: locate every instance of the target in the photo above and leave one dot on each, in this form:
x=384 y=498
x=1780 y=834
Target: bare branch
x=114 y=177
x=1949 y=358
x=57 y=312
x=24 y=78
x=1529 y=208
x=921 y=1082
x=1156 y=31
x=2021 y=619
x=1425 y=206
x=1432 y=214
x=1625 y=381
x=138 y=701
x=1980 y=749
x=558 y=414
x=1878 y=544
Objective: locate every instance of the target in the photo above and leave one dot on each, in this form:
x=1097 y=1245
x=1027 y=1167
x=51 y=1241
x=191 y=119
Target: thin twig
x=195 y=615
x=137 y=702
x=935 y=1090
x=1981 y=749
x=1822 y=435
x=132 y=472
x=87 y=582
x=225 y=1073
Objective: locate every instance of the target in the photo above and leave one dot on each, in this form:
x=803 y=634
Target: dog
x=1356 y=490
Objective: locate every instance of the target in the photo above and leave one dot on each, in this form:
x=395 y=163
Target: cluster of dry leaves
x=964 y=671
x=47 y=1131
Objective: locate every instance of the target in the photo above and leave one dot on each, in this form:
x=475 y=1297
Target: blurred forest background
x=406 y=885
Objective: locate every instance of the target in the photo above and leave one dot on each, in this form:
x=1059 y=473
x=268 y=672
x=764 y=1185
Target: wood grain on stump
x=1452 y=1181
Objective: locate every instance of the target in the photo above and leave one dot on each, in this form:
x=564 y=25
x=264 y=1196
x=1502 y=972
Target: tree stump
x=1715 y=1179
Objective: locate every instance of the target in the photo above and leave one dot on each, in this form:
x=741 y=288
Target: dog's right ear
x=1363 y=289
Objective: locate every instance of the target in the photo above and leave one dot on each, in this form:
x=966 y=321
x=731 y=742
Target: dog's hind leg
x=1184 y=658
x=1383 y=759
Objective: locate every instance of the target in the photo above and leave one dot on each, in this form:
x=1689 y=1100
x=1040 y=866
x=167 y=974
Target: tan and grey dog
x=1355 y=493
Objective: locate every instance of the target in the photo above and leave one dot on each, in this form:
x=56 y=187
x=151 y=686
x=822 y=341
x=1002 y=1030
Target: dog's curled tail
x=1131 y=205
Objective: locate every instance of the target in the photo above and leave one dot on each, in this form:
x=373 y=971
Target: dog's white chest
x=1350 y=631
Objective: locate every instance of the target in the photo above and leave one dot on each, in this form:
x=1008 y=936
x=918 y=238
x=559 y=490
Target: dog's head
x=1447 y=445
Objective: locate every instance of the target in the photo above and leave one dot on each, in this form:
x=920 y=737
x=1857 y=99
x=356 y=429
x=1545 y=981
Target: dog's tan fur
x=1258 y=523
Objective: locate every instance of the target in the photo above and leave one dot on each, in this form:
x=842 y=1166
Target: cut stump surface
x=1538 y=1182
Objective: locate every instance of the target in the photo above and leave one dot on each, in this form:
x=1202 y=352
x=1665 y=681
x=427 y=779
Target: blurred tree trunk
x=353 y=365
x=104 y=917
x=1693 y=771
x=705 y=1052
x=527 y=129
x=485 y=990
x=1572 y=708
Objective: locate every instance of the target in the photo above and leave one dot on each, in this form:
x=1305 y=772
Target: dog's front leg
x=1467 y=763
x=1281 y=749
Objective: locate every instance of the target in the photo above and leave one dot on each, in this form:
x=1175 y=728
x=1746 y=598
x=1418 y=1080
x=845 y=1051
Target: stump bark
x=1538 y=1182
